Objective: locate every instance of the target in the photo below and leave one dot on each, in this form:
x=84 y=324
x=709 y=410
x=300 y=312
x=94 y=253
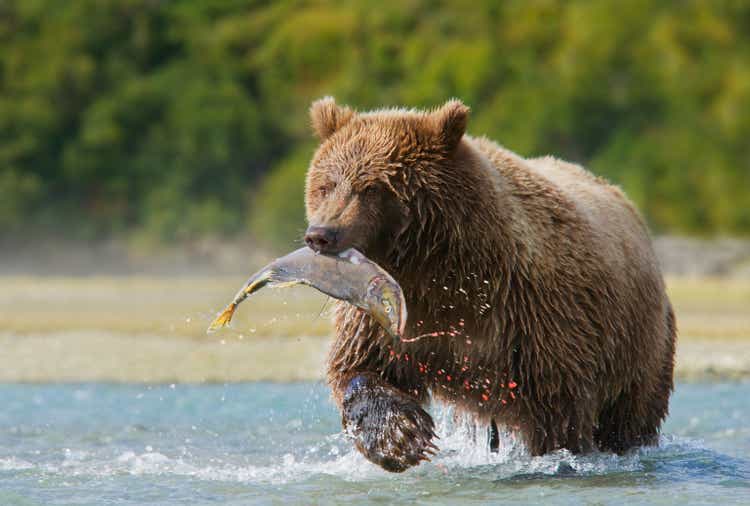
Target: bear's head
x=377 y=173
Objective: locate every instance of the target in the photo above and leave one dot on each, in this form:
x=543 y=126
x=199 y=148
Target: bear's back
x=618 y=234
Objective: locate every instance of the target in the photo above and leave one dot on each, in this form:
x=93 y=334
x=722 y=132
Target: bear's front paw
x=389 y=427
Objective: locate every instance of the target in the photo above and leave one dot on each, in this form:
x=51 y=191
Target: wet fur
x=538 y=277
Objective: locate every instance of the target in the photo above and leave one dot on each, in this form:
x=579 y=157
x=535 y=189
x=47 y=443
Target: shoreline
x=91 y=356
x=147 y=329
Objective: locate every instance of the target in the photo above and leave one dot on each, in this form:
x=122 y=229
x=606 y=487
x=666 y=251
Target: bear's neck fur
x=454 y=276
x=444 y=259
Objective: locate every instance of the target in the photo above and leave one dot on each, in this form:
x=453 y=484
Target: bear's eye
x=370 y=191
x=323 y=191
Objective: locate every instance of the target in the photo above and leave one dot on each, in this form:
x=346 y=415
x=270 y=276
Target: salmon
x=349 y=276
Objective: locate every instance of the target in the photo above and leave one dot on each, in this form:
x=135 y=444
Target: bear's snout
x=322 y=239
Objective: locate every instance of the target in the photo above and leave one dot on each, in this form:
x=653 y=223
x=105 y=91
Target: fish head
x=384 y=300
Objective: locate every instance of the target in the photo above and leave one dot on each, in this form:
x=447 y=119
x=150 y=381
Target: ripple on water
x=464 y=452
x=289 y=447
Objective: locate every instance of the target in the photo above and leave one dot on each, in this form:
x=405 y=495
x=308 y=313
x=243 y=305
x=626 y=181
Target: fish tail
x=253 y=285
x=223 y=319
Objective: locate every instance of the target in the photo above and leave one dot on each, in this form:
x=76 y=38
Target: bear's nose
x=321 y=239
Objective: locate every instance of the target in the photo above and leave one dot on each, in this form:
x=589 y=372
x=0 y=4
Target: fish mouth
x=388 y=307
x=402 y=317
x=389 y=326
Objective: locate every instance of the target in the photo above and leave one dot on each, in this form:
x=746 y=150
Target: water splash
x=284 y=442
x=464 y=452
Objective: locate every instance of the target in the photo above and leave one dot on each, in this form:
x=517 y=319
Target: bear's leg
x=493 y=436
x=390 y=428
x=563 y=422
x=635 y=417
x=624 y=424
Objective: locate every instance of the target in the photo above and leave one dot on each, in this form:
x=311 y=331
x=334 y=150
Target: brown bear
x=535 y=299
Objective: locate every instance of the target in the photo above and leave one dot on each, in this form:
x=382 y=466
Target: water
x=281 y=443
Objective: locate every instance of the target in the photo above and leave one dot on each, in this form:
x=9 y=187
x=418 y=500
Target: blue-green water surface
x=262 y=443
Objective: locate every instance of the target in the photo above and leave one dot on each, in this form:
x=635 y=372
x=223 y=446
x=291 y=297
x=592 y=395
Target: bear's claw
x=389 y=427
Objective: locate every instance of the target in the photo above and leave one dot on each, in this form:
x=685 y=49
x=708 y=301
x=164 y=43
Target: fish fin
x=253 y=285
x=223 y=319
x=287 y=284
x=323 y=307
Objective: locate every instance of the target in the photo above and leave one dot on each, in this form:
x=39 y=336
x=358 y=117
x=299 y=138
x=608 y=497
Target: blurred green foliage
x=185 y=118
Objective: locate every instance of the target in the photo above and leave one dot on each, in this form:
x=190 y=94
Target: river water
x=261 y=443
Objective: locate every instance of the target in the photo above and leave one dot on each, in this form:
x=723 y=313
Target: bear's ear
x=449 y=123
x=327 y=117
